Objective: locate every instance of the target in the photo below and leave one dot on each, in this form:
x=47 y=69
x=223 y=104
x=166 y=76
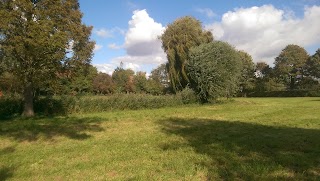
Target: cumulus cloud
x=97 y=47
x=143 y=48
x=264 y=31
x=206 y=11
x=142 y=37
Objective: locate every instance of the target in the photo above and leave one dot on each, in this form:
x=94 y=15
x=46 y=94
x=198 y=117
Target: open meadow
x=239 y=139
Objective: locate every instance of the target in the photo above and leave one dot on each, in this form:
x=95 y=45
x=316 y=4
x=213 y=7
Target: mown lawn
x=244 y=139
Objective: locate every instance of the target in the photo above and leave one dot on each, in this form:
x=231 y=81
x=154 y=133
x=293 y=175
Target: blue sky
x=126 y=31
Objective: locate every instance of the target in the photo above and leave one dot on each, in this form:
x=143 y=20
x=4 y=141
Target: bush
x=188 y=96
x=10 y=106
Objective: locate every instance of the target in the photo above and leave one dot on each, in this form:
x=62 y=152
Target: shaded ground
x=49 y=128
x=249 y=151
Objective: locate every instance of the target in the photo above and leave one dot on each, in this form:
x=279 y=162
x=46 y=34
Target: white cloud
x=143 y=48
x=142 y=37
x=264 y=31
x=97 y=47
x=105 y=68
x=206 y=11
x=104 y=33
x=110 y=67
x=114 y=46
x=109 y=33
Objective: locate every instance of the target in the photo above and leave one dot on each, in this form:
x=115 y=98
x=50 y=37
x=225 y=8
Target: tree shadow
x=245 y=151
x=6 y=173
x=32 y=129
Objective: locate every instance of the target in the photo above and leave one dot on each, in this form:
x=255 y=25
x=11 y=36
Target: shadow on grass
x=5 y=173
x=245 y=151
x=32 y=129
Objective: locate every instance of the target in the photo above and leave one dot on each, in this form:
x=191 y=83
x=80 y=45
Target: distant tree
x=262 y=69
x=140 y=82
x=215 y=70
x=160 y=75
x=273 y=84
x=313 y=65
x=103 y=84
x=81 y=79
x=124 y=80
x=178 y=38
x=41 y=37
x=247 y=78
x=153 y=87
x=289 y=64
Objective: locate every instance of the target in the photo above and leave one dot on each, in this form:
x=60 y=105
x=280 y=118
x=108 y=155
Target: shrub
x=188 y=96
x=10 y=106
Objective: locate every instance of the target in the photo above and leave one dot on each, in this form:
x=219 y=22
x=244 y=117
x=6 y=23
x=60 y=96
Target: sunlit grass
x=244 y=139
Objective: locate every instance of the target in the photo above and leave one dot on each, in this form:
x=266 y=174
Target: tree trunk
x=28 y=100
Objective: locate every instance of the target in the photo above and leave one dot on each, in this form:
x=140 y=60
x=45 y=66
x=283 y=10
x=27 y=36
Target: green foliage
x=188 y=96
x=289 y=64
x=41 y=39
x=178 y=38
x=214 y=69
x=160 y=75
x=154 y=87
x=103 y=84
x=10 y=84
x=10 y=105
x=247 y=78
x=140 y=82
x=65 y=105
x=124 y=80
x=312 y=66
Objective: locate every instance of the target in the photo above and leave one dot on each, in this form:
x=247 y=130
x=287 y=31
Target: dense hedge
x=10 y=106
x=293 y=93
x=62 y=105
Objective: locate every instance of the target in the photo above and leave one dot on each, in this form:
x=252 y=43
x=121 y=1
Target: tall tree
x=247 y=73
x=178 y=38
x=215 y=70
x=41 y=37
x=289 y=64
x=313 y=65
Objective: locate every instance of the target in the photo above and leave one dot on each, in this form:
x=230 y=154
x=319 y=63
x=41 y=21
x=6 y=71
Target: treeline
x=91 y=82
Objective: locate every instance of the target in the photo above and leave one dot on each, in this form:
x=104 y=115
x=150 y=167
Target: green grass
x=244 y=139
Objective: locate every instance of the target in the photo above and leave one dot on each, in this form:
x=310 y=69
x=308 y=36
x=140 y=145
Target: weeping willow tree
x=40 y=38
x=178 y=38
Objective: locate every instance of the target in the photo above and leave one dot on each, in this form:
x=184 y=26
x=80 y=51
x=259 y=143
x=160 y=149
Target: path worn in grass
x=246 y=139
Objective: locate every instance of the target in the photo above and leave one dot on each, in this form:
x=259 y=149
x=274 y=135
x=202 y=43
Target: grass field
x=244 y=139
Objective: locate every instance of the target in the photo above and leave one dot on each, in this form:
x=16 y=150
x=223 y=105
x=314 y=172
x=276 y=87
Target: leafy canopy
x=178 y=38
x=214 y=69
x=289 y=64
x=40 y=38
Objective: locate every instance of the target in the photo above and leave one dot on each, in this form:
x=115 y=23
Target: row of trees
x=213 y=68
x=90 y=81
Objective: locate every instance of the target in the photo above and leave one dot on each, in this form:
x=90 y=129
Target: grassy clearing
x=245 y=139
